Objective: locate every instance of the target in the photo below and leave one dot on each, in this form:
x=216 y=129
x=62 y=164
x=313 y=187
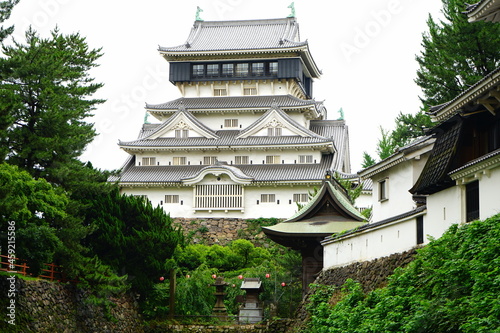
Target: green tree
x=409 y=127
x=35 y=212
x=46 y=90
x=367 y=160
x=456 y=54
x=5 y=11
x=132 y=237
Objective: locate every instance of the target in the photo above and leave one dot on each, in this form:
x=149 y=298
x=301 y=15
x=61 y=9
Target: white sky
x=365 y=48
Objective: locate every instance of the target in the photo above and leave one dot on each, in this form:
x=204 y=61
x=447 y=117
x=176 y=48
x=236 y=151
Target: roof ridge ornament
x=182 y=108
x=292 y=9
x=198 y=11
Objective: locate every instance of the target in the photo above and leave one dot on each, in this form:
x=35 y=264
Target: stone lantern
x=219 y=309
x=251 y=311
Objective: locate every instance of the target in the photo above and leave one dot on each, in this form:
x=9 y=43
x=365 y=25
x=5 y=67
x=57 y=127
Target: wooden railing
x=50 y=272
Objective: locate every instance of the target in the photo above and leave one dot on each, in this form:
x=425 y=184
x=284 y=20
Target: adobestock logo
x=364 y=36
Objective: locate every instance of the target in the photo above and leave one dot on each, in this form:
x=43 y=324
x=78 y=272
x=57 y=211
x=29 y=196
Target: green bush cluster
x=453 y=285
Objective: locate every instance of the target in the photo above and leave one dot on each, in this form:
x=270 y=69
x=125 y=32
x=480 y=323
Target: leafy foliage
x=456 y=54
x=132 y=237
x=5 y=11
x=451 y=286
x=46 y=90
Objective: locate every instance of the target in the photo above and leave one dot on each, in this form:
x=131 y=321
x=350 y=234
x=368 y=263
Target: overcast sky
x=365 y=48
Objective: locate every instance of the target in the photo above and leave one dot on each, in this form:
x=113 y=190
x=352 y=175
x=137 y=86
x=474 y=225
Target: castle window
x=209 y=160
x=258 y=69
x=305 y=159
x=180 y=160
x=220 y=92
x=300 y=197
x=274 y=131
x=273 y=68
x=227 y=69
x=213 y=70
x=218 y=196
x=267 y=198
x=171 y=199
x=148 y=161
x=181 y=134
x=242 y=69
x=198 y=70
x=472 y=201
x=241 y=160
x=274 y=159
x=249 y=91
x=231 y=123
x=383 y=191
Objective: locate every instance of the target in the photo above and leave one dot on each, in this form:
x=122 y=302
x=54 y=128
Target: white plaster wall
x=444 y=208
x=372 y=244
x=399 y=179
x=284 y=194
x=195 y=157
x=235 y=88
x=489 y=194
x=365 y=200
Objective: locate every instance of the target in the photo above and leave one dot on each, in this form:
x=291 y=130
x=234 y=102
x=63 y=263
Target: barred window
x=275 y=159
x=230 y=122
x=241 y=160
x=242 y=69
x=209 y=160
x=171 y=198
x=181 y=134
x=273 y=68
x=198 y=70
x=274 y=131
x=220 y=92
x=148 y=161
x=258 y=69
x=300 y=197
x=213 y=70
x=248 y=91
x=227 y=69
x=180 y=160
x=305 y=158
x=218 y=196
x=267 y=197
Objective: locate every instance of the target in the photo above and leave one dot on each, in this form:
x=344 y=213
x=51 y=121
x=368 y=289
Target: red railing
x=51 y=272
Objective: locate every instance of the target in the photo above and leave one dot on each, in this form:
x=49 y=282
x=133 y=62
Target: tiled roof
x=240 y=35
x=336 y=130
x=417 y=211
x=259 y=172
x=487 y=10
x=434 y=176
x=286 y=118
x=183 y=112
x=226 y=139
x=447 y=110
x=235 y=102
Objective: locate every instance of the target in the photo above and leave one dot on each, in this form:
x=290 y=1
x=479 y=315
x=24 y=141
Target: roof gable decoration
x=182 y=120
x=220 y=168
x=276 y=118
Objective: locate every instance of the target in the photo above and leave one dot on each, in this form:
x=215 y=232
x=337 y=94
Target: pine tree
x=456 y=54
x=46 y=90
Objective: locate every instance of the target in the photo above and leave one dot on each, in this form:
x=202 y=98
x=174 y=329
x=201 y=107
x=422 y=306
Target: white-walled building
x=246 y=139
x=450 y=177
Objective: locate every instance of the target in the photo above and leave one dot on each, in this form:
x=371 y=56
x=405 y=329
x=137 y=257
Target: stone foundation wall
x=42 y=306
x=275 y=326
x=218 y=230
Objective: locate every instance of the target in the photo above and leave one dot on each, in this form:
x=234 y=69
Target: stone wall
x=43 y=306
x=275 y=326
x=219 y=230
